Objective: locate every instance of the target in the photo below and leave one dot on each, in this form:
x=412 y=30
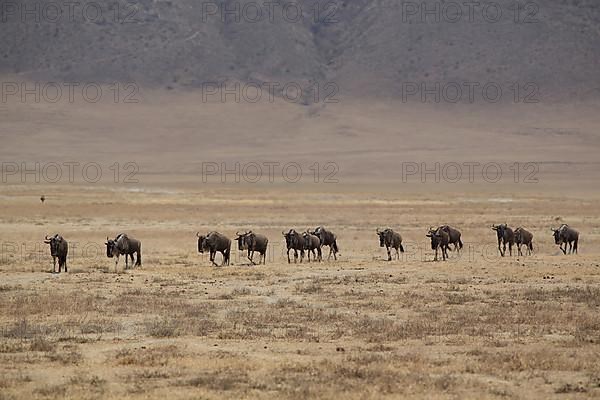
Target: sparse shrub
x=163 y=328
x=41 y=344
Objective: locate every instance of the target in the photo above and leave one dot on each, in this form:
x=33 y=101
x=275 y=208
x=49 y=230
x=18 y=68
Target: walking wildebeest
x=327 y=238
x=505 y=236
x=389 y=238
x=253 y=242
x=567 y=235
x=213 y=242
x=312 y=243
x=453 y=237
x=524 y=237
x=439 y=240
x=124 y=245
x=59 y=248
x=294 y=241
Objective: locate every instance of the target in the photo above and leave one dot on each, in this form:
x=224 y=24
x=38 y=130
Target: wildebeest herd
x=312 y=241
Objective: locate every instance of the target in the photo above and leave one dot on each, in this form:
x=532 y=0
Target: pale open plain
x=476 y=326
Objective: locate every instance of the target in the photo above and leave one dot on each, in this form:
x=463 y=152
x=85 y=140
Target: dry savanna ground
x=477 y=326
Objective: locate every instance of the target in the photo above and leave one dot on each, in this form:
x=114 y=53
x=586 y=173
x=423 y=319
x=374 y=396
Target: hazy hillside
x=365 y=46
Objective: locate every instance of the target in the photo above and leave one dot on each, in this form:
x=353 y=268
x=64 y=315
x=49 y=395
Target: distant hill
x=366 y=47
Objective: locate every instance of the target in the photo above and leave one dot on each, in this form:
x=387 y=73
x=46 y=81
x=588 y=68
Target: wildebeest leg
x=565 y=249
x=502 y=249
x=295 y=256
x=53 y=265
x=251 y=257
x=519 y=248
x=213 y=254
x=320 y=254
x=301 y=255
x=225 y=258
x=389 y=254
x=445 y=252
x=575 y=246
x=397 y=254
x=436 y=251
x=116 y=264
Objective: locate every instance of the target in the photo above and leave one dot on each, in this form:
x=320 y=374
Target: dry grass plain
x=478 y=326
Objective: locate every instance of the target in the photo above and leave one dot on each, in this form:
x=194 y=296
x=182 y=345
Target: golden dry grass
x=477 y=326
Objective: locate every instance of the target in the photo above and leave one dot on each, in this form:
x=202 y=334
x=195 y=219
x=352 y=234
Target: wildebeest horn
x=46 y=237
x=237 y=233
x=198 y=234
x=283 y=233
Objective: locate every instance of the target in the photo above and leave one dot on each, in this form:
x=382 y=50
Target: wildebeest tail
x=460 y=243
x=401 y=248
x=335 y=246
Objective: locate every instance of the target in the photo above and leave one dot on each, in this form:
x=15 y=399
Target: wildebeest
x=524 y=237
x=294 y=241
x=566 y=235
x=213 y=242
x=453 y=237
x=388 y=238
x=505 y=236
x=252 y=242
x=122 y=244
x=439 y=240
x=312 y=243
x=59 y=248
x=327 y=238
